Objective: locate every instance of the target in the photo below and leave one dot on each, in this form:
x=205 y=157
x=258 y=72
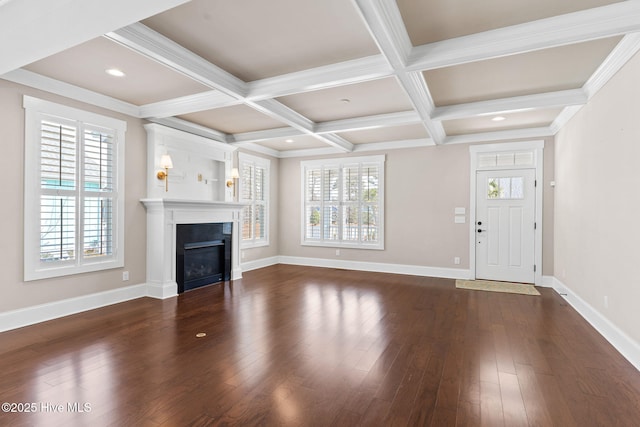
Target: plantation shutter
x=77 y=191
x=58 y=176
x=260 y=200
x=343 y=202
x=246 y=185
x=98 y=167
x=313 y=202
x=254 y=191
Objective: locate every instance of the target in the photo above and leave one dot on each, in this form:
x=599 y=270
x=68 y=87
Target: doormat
x=488 y=285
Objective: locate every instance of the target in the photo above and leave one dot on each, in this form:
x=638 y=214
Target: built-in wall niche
x=201 y=166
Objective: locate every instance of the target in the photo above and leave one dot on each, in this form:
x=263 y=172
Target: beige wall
x=14 y=292
x=423 y=186
x=597 y=200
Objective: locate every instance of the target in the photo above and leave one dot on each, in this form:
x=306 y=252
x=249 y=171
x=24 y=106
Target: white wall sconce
x=166 y=164
x=231 y=182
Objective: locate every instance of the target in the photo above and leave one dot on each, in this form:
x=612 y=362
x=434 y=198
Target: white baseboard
x=40 y=313
x=626 y=345
x=413 y=270
x=547 y=281
x=162 y=290
x=260 y=263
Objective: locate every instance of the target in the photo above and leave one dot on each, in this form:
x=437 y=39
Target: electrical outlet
x=337 y=252
x=456 y=260
x=242 y=254
x=125 y=276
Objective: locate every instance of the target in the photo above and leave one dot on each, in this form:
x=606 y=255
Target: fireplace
x=203 y=254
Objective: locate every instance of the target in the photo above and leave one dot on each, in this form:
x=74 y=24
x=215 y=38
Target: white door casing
x=505 y=225
x=508 y=156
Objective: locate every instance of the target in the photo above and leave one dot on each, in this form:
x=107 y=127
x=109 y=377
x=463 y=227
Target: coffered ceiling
x=298 y=77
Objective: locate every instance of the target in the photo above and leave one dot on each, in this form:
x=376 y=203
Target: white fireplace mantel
x=163 y=216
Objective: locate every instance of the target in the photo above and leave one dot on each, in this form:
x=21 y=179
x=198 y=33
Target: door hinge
x=534 y=268
x=535 y=182
x=535 y=225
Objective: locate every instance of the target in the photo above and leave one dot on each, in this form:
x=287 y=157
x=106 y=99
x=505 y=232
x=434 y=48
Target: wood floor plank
x=293 y=345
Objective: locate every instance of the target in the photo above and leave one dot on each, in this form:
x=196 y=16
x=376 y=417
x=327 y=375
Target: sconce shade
x=234 y=173
x=165 y=161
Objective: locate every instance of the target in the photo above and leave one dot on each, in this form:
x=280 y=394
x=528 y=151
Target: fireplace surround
x=163 y=218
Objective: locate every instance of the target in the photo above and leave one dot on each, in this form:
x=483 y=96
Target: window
x=343 y=202
x=74 y=191
x=254 y=191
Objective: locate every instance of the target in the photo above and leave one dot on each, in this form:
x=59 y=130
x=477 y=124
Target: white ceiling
x=298 y=77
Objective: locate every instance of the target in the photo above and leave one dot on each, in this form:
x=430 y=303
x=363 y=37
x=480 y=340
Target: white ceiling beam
x=154 y=45
x=418 y=92
x=335 y=126
x=500 y=135
x=260 y=149
x=265 y=135
x=369 y=122
x=340 y=74
x=193 y=128
x=31 y=30
x=188 y=104
x=281 y=112
x=591 y=24
x=384 y=21
x=509 y=105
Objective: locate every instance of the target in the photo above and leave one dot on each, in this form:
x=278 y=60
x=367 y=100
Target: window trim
x=340 y=163
x=34 y=269
x=244 y=158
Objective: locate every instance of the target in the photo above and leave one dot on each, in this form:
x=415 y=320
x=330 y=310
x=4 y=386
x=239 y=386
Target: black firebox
x=203 y=254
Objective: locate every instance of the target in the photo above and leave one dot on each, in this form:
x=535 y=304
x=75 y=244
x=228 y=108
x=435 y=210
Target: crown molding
x=620 y=55
x=47 y=84
x=623 y=52
x=597 y=23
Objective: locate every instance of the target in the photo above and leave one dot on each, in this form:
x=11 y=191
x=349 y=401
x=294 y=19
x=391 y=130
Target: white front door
x=505 y=224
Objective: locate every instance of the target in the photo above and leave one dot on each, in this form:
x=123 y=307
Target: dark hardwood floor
x=293 y=345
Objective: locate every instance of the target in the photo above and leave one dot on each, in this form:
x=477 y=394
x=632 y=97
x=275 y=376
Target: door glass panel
x=505 y=188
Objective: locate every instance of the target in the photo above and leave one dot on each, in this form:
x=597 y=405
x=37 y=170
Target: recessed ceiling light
x=345 y=100
x=114 y=72
x=289 y=141
x=498 y=118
